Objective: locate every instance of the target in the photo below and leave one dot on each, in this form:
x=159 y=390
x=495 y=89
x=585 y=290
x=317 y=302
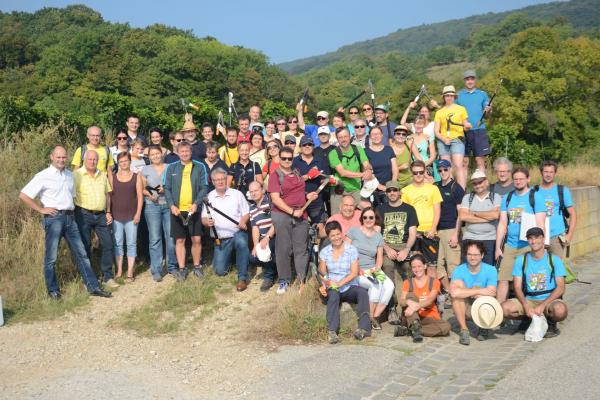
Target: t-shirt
x=291 y=192
x=457 y=114
x=538 y=276
x=311 y=132
x=260 y=216
x=153 y=180
x=487 y=276
x=502 y=190
x=338 y=269
x=396 y=222
x=243 y=175
x=380 y=161
x=351 y=161
x=185 y=195
x=551 y=202
x=171 y=158
x=229 y=155
x=422 y=292
x=104 y=159
x=199 y=151
x=422 y=198
x=475 y=102
x=366 y=245
x=481 y=230
x=346 y=224
x=303 y=167
x=452 y=195
x=320 y=152
x=515 y=209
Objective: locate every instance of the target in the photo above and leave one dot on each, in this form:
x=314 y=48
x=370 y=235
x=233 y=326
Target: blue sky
x=283 y=30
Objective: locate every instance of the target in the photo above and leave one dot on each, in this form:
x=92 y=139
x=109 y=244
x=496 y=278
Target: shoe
x=111 y=284
x=416 y=332
x=375 y=324
x=401 y=330
x=54 y=295
x=181 y=275
x=524 y=325
x=464 y=337
x=197 y=271
x=101 y=293
x=360 y=334
x=283 y=287
x=157 y=278
x=552 y=331
x=393 y=317
x=241 y=285
x=482 y=334
x=333 y=337
x=266 y=285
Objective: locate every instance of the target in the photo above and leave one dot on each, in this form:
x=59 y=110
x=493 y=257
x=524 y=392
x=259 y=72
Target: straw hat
x=188 y=125
x=486 y=312
x=449 y=90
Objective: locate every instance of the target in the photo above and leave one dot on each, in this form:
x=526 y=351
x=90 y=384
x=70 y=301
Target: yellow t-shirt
x=422 y=198
x=185 y=195
x=90 y=192
x=457 y=114
x=104 y=159
x=228 y=155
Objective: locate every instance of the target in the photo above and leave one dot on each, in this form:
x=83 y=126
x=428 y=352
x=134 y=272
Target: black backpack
x=490 y=196
x=524 y=286
x=355 y=153
x=531 y=198
x=561 y=203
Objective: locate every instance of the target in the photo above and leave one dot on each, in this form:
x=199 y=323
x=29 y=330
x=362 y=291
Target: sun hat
x=323 y=114
x=188 y=124
x=449 y=90
x=401 y=127
x=478 y=174
x=486 y=312
x=263 y=255
x=368 y=188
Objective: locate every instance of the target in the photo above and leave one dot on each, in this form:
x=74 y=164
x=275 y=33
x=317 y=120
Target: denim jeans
x=125 y=230
x=55 y=228
x=269 y=266
x=158 y=219
x=87 y=221
x=222 y=255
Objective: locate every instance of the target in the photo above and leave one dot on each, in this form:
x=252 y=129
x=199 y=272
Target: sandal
x=130 y=279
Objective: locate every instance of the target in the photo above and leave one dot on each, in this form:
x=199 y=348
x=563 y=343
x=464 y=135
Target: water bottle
x=1 y=313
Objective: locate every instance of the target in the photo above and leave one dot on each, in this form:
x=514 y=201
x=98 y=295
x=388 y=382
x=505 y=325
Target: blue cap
x=306 y=140
x=444 y=164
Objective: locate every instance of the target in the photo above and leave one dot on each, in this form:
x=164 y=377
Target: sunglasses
x=403 y=133
x=391 y=190
x=286 y=158
x=293 y=122
x=272 y=147
x=289 y=142
x=321 y=118
x=307 y=145
x=353 y=112
x=368 y=217
x=359 y=126
x=367 y=109
x=418 y=172
x=121 y=137
x=179 y=140
x=443 y=169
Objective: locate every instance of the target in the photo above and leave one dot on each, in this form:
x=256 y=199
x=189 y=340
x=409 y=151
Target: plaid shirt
x=90 y=192
x=337 y=270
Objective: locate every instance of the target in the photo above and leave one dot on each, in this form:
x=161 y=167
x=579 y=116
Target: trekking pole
x=489 y=104
x=304 y=100
x=421 y=91
x=372 y=90
x=213 y=228
x=358 y=96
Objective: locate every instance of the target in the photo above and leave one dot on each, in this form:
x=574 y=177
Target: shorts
x=180 y=231
x=477 y=143
x=556 y=247
x=533 y=303
x=508 y=262
x=448 y=257
x=456 y=146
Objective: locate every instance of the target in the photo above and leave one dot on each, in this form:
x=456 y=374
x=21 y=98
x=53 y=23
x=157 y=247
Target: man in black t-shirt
x=399 y=221
x=244 y=171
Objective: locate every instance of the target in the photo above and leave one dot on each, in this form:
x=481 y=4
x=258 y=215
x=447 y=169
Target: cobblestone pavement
x=385 y=367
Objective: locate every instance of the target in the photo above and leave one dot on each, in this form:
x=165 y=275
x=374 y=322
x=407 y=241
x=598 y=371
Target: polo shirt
x=56 y=188
x=260 y=216
x=303 y=167
x=475 y=102
x=233 y=203
x=90 y=191
x=105 y=160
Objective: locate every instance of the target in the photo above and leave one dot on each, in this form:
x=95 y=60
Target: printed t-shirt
x=487 y=276
x=422 y=198
x=538 y=276
x=549 y=197
x=422 y=293
x=396 y=222
x=514 y=211
x=457 y=114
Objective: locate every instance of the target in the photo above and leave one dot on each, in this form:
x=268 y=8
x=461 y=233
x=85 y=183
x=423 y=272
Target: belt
x=85 y=210
x=222 y=239
x=61 y=212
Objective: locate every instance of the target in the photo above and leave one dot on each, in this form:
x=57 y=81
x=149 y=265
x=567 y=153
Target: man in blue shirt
x=539 y=279
x=477 y=142
x=512 y=208
x=469 y=281
x=311 y=130
x=561 y=231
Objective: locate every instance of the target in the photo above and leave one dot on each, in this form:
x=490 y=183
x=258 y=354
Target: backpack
x=106 y=149
x=355 y=153
x=281 y=177
x=411 y=287
x=552 y=276
x=490 y=196
x=561 y=204
x=531 y=198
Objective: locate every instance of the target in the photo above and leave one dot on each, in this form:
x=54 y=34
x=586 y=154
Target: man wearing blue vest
x=477 y=142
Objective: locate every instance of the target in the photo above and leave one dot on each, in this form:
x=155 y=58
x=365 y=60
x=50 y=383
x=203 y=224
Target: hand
x=312 y=196
x=498 y=253
x=487 y=109
x=242 y=225
x=175 y=211
x=161 y=190
x=253 y=252
x=447 y=141
x=153 y=198
x=297 y=214
x=467 y=125
x=453 y=242
x=408 y=311
x=341 y=109
x=367 y=175
x=412 y=104
x=298 y=107
x=323 y=291
x=539 y=310
x=530 y=311
x=264 y=242
x=210 y=222
x=434 y=104
x=49 y=211
x=109 y=218
x=568 y=238
x=391 y=253
x=430 y=234
x=136 y=219
x=193 y=208
x=381 y=187
x=402 y=254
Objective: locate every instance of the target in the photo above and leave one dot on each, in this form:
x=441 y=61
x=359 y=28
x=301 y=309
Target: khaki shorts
x=508 y=262
x=556 y=247
x=533 y=303
x=448 y=257
x=394 y=270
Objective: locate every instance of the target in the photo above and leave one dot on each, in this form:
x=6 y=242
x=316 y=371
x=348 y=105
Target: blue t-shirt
x=311 y=132
x=517 y=206
x=487 y=276
x=381 y=163
x=474 y=102
x=388 y=131
x=538 y=276
x=549 y=198
x=452 y=195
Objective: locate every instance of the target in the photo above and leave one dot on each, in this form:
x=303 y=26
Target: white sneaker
x=111 y=284
x=283 y=287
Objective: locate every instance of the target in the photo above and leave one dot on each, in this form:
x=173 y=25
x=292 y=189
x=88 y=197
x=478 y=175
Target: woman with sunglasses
x=401 y=146
x=383 y=161
x=156 y=138
x=292 y=127
x=423 y=148
x=273 y=160
x=369 y=243
x=367 y=109
x=258 y=154
x=121 y=145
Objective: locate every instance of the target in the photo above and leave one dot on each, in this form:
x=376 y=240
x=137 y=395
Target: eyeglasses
x=473 y=255
x=121 y=137
x=286 y=158
x=281 y=123
x=367 y=108
x=353 y=112
x=391 y=190
x=307 y=145
x=272 y=147
x=418 y=172
x=403 y=133
x=368 y=217
x=443 y=169
x=179 y=140
x=360 y=126
x=294 y=121
x=321 y=118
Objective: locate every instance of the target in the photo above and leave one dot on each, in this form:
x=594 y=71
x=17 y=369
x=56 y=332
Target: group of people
x=399 y=234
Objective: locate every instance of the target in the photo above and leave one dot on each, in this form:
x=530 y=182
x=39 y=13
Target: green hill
x=582 y=14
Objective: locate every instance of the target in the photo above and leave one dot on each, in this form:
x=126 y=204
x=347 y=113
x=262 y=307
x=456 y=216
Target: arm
x=415 y=151
x=572 y=224
x=432 y=153
x=411 y=105
x=109 y=218
x=466 y=215
x=437 y=211
x=229 y=180
x=299 y=109
x=354 y=268
x=35 y=206
x=167 y=188
x=491 y=215
x=140 y=200
x=379 y=258
x=280 y=204
x=347 y=174
x=458 y=290
x=501 y=232
x=394 y=170
x=255 y=240
x=540 y=220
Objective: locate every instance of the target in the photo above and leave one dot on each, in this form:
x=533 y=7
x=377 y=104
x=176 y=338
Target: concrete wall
x=587 y=232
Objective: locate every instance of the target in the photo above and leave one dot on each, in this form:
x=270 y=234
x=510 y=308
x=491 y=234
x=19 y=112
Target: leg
x=505 y=270
x=180 y=252
x=556 y=311
x=283 y=242
x=360 y=297
x=222 y=256
x=556 y=247
x=242 y=254
x=196 y=250
x=152 y=213
x=490 y=251
x=195 y=233
x=459 y=308
x=84 y=224
x=457 y=163
x=513 y=309
x=83 y=263
x=333 y=310
x=387 y=290
x=172 y=265
x=300 y=248
x=53 y=227
x=435 y=327
x=106 y=244
x=131 y=231
x=481 y=147
x=119 y=232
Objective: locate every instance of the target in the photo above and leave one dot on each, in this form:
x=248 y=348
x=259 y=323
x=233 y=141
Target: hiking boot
x=482 y=334
x=283 y=287
x=553 y=330
x=181 y=275
x=333 y=337
x=464 y=337
x=524 y=325
x=111 y=284
x=197 y=271
x=415 y=330
x=393 y=317
x=401 y=330
x=360 y=334
x=266 y=285
x=375 y=324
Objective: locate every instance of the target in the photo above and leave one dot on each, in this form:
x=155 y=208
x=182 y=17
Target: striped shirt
x=260 y=216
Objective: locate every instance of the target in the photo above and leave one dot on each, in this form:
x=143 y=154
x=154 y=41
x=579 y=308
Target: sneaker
x=375 y=324
x=553 y=330
x=482 y=334
x=54 y=295
x=360 y=334
x=524 y=325
x=266 y=285
x=283 y=287
x=401 y=330
x=415 y=330
x=181 y=275
x=197 y=271
x=393 y=317
x=111 y=284
x=333 y=337
x=464 y=337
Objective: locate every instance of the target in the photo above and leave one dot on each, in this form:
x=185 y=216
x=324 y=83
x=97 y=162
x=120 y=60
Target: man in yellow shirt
x=105 y=160
x=450 y=125
x=92 y=212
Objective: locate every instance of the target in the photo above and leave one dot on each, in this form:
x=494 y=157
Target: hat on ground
x=368 y=188
x=478 y=174
x=289 y=138
x=486 y=312
x=444 y=164
x=469 y=74
x=323 y=114
x=188 y=124
x=323 y=130
x=401 y=127
x=448 y=90
x=392 y=184
x=535 y=231
x=382 y=107
x=263 y=255
x=306 y=140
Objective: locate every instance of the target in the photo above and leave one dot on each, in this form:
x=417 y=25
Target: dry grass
x=573 y=175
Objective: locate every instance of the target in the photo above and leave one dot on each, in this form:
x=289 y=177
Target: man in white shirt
x=55 y=187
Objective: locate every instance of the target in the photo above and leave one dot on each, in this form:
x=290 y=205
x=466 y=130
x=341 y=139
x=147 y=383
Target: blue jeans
x=63 y=225
x=268 y=267
x=87 y=221
x=158 y=219
x=125 y=230
x=222 y=255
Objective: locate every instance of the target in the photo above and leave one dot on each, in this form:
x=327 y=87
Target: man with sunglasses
x=360 y=133
x=175 y=138
x=292 y=142
x=311 y=130
x=399 y=223
x=382 y=119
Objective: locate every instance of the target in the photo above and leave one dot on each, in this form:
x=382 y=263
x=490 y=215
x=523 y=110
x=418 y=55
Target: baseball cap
x=382 y=107
x=392 y=184
x=289 y=138
x=368 y=188
x=257 y=125
x=478 y=174
x=469 y=74
x=323 y=114
x=535 y=231
x=305 y=140
x=444 y=164
x=323 y=130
